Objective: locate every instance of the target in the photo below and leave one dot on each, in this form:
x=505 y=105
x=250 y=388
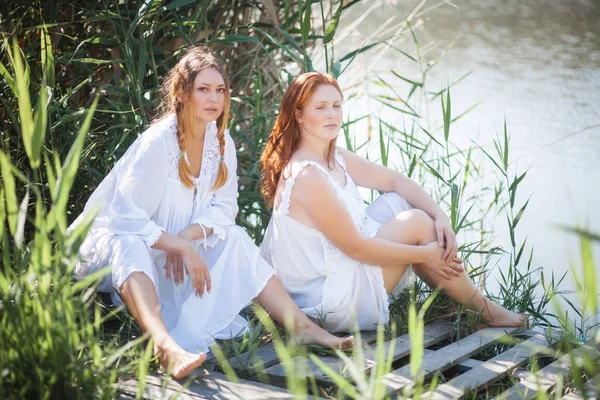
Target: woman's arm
x=370 y=175
x=314 y=193
x=374 y=176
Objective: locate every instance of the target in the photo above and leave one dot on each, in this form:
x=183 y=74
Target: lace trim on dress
x=211 y=154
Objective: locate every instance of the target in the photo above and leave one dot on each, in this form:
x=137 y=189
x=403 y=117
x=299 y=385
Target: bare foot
x=314 y=334
x=176 y=361
x=498 y=316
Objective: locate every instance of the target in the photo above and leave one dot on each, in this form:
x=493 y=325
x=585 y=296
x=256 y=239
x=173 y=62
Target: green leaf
x=8 y=179
x=339 y=380
x=179 y=3
x=47 y=59
x=305 y=26
x=8 y=78
x=511 y=230
x=516 y=181
x=69 y=170
x=520 y=214
x=433 y=171
x=491 y=159
x=2 y=213
x=590 y=291
x=282 y=46
x=356 y=52
x=146 y=5
x=24 y=102
x=419 y=84
x=505 y=146
x=332 y=27
x=413 y=164
x=383 y=150
x=520 y=253
x=40 y=118
x=446 y=111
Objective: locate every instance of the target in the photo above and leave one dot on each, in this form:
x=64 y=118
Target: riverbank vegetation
x=80 y=81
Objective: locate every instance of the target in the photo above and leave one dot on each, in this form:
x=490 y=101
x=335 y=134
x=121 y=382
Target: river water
x=537 y=63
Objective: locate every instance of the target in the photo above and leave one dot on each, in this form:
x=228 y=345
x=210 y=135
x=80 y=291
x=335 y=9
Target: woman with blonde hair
x=338 y=258
x=164 y=220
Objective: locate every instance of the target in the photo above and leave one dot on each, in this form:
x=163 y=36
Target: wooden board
x=447 y=357
x=493 y=369
x=591 y=388
x=206 y=386
x=267 y=356
x=547 y=377
x=433 y=333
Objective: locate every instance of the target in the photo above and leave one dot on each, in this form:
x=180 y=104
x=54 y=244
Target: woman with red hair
x=164 y=220
x=338 y=258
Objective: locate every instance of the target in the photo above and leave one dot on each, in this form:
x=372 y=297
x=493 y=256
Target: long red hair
x=177 y=99
x=285 y=136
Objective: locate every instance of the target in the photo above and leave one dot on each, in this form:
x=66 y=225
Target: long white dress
x=343 y=293
x=141 y=198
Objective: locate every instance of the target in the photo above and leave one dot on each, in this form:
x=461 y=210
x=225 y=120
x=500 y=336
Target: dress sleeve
x=222 y=208
x=139 y=191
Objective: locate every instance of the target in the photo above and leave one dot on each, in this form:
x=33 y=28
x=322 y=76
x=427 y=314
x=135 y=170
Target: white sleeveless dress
x=343 y=293
x=142 y=197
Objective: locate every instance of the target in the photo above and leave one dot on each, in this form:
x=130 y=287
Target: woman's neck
x=318 y=148
x=199 y=130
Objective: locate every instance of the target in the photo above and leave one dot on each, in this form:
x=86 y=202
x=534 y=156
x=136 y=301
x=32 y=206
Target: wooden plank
x=433 y=333
x=447 y=357
x=493 y=369
x=267 y=356
x=591 y=389
x=209 y=385
x=468 y=363
x=546 y=378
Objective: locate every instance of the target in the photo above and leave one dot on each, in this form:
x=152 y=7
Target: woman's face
x=321 y=116
x=208 y=95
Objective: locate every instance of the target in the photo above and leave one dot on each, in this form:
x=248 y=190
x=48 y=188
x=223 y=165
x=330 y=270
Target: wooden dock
x=460 y=367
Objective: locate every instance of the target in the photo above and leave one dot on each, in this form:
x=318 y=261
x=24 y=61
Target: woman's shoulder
x=164 y=129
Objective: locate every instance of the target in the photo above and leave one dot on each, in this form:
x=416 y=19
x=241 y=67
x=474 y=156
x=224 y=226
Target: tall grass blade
x=333 y=24
x=8 y=181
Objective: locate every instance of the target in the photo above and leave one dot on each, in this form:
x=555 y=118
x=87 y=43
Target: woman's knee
x=420 y=222
x=136 y=286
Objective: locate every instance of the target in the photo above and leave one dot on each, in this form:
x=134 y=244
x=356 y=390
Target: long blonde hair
x=177 y=99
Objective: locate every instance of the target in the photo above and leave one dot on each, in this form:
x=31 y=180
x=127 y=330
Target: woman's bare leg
x=141 y=299
x=278 y=303
x=416 y=228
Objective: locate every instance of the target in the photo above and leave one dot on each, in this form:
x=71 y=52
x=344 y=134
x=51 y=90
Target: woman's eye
x=222 y=90
x=337 y=106
x=202 y=89
x=320 y=108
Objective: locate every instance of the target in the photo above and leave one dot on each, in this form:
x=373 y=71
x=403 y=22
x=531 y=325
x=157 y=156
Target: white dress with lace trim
x=325 y=283
x=141 y=198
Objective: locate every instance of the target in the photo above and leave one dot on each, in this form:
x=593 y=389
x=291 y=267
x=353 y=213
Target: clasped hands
x=443 y=253
x=186 y=258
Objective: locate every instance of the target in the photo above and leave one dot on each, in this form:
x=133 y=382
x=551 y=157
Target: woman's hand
x=446 y=238
x=187 y=259
x=197 y=269
x=444 y=269
x=174 y=266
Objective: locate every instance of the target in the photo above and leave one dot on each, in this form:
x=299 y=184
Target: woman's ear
x=298 y=115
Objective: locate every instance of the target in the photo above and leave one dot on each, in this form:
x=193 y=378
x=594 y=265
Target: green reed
x=53 y=122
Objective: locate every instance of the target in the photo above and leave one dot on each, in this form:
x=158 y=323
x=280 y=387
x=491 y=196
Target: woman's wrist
x=182 y=245
x=195 y=231
x=440 y=215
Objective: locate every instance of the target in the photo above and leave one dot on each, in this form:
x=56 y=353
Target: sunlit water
x=538 y=63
